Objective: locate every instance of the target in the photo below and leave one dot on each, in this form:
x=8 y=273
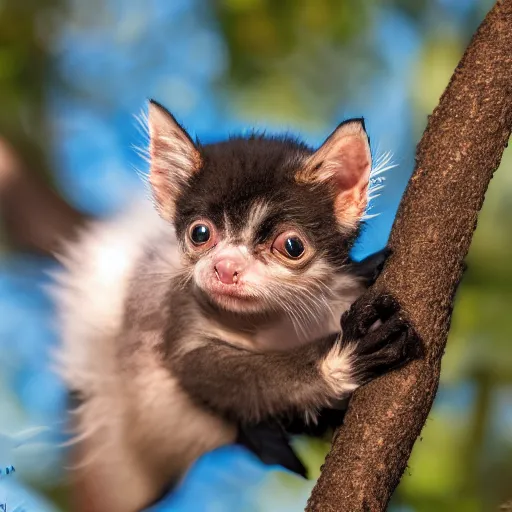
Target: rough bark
x=456 y=158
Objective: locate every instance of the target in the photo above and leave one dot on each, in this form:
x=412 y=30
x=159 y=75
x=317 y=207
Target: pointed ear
x=345 y=161
x=174 y=158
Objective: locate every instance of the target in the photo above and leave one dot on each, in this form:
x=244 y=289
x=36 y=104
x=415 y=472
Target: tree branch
x=34 y=217
x=456 y=158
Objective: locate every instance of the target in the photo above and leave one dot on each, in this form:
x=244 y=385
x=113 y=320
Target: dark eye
x=294 y=247
x=200 y=234
x=290 y=245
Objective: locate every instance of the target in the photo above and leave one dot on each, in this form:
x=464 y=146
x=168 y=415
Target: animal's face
x=257 y=268
x=252 y=270
x=264 y=224
x=250 y=235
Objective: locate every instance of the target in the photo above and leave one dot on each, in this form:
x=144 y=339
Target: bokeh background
x=72 y=76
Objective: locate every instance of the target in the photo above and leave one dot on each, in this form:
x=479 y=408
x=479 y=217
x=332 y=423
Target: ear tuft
x=174 y=158
x=344 y=160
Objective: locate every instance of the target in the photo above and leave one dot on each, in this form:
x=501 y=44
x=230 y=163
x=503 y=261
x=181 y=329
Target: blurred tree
x=33 y=215
x=26 y=67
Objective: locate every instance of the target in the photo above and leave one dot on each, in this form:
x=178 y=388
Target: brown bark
x=456 y=158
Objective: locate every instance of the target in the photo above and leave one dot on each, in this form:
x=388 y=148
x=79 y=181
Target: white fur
x=337 y=368
x=92 y=290
x=257 y=214
x=381 y=164
x=137 y=430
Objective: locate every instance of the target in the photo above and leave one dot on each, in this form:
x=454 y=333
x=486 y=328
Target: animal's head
x=264 y=223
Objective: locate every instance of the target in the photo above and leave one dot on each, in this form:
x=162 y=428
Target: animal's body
x=222 y=309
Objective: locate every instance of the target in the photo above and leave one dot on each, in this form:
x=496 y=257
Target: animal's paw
x=379 y=336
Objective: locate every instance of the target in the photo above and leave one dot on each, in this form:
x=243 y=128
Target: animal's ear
x=345 y=161
x=174 y=158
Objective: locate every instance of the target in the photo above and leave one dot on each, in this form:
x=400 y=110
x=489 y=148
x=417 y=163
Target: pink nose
x=228 y=271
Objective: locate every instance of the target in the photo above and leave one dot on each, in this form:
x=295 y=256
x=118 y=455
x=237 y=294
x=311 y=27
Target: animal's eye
x=289 y=245
x=201 y=233
x=294 y=247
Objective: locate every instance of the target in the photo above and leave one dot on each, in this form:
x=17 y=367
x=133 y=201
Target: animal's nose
x=228 y=271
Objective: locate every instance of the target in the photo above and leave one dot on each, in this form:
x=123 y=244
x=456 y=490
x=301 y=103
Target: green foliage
x=294 y=60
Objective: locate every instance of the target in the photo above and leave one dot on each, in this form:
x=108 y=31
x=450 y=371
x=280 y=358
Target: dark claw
x=383 y=347
x=357 y=321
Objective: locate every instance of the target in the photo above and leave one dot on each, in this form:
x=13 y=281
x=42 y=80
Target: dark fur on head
x=236 y=173
x=252 y=193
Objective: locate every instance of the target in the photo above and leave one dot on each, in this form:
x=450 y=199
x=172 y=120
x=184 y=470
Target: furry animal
x=185 y=324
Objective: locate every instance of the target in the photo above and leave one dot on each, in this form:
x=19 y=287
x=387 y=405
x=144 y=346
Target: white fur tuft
x=381 y=164
x=91 y=290
x=337 y=369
